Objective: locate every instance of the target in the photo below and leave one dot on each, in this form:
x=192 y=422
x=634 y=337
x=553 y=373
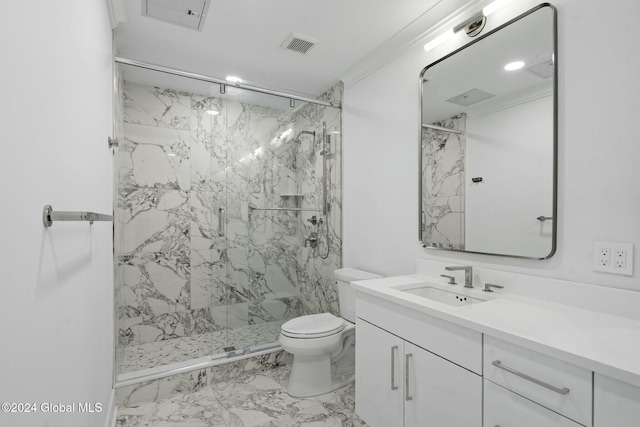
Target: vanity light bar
x=439 y=40
x=492 y=7
x=486 y=11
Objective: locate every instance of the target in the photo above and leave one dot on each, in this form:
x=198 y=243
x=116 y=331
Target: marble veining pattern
x=177 y=168
x=164 y=352
x=443 y=167
x=255 y=400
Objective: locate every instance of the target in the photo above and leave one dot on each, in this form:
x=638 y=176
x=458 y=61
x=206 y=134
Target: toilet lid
x=313 y=326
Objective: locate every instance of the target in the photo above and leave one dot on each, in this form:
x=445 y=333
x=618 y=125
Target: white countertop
x=600 y=342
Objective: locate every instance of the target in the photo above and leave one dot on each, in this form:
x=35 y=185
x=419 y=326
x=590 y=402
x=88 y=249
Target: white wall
x=56 y=306
x=599 y=195
x=517 y=187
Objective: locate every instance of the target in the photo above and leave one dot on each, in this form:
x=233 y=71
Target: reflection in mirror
x=488 y=142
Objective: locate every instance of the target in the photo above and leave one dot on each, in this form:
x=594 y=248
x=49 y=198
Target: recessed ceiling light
x=512 y=66
x=233 y=79
x=213 y=112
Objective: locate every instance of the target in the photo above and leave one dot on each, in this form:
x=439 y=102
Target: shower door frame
x=214 y=359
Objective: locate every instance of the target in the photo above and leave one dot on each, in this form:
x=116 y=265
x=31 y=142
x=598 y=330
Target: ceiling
x=481 y=66
x=243 y=38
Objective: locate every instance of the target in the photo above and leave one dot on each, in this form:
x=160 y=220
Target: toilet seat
x=313 y=326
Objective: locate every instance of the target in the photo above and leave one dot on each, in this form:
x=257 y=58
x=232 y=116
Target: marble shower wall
x=177 y=167
x=443 y=160
x=316 y=265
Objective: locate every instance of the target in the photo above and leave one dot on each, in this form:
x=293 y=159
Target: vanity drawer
x=458 y=345
x=559 y=386
x=503 y=408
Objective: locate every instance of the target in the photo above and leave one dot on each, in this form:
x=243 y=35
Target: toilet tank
x=346 y=295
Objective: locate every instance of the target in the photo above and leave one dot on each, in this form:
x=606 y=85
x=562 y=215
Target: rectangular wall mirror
x=488 y=148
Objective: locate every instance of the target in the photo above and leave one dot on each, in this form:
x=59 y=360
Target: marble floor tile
x=257 y=400
x=159 y=353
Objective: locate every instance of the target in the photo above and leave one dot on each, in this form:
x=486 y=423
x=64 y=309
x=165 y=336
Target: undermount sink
x=439 y=295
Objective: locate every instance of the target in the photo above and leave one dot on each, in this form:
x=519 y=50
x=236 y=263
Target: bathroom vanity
x=429 y=353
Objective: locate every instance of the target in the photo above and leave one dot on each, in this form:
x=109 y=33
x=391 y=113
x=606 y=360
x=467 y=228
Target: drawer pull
x=498 y=364
x=393 y=367
x=406 y=377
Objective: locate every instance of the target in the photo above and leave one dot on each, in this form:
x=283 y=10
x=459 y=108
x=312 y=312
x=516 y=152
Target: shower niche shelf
x=291 y=195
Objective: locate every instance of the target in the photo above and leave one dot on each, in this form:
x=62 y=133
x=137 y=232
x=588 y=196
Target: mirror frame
x=554 y=231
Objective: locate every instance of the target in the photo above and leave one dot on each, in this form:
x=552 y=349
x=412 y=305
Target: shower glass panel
x=166 y=208
x=216 y=193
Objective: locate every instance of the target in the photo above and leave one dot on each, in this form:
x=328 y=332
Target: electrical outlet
x=620 y=258
x=604 y=257
x=615 y=258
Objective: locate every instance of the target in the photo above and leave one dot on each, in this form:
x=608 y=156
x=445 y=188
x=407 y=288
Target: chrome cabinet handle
x=393 y=368
x=406 y=377
x=220 y=222
x=558 y=390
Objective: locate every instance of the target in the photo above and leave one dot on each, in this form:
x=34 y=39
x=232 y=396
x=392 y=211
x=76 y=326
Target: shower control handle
x=312 y=240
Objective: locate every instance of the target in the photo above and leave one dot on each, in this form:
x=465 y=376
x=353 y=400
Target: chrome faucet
x=468 y=274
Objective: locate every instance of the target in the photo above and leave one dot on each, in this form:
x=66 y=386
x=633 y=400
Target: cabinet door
x=615 y=403
x=439 y=393
x=379 y=373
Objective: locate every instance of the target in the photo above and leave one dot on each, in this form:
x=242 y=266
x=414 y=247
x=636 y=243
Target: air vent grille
x=185 y=13
x=470 y=97
x=298 y=43
x=544 y=70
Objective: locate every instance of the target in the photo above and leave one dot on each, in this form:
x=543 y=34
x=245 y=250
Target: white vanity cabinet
x=401 y=384
x=615 y=403
x=511 y=361
x=379 y=388
x=503 y=408
x=544 y=382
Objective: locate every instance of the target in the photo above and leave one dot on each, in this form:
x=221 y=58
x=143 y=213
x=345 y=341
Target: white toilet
x=323 y=345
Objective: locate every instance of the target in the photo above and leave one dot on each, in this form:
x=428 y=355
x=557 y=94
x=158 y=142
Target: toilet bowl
x=323 y=345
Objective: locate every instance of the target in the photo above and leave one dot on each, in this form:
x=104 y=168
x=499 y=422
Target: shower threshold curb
x=132 y=378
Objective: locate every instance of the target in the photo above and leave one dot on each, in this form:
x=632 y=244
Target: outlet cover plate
x=613 y=258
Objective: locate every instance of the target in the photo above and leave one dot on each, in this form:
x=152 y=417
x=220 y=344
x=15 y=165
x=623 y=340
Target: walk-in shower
x=214 y=187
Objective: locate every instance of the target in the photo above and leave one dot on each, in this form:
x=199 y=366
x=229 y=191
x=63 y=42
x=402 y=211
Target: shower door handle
x=221 y=222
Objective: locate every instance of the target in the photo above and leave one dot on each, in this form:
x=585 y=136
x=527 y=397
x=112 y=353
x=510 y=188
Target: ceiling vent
x=299 y=43
x=544 y=70
x=185 y=13
x=470 y=97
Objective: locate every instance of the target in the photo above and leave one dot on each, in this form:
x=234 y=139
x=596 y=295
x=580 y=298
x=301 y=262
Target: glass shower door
x=216 y=193
x=165 y=212
x=262 y=218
